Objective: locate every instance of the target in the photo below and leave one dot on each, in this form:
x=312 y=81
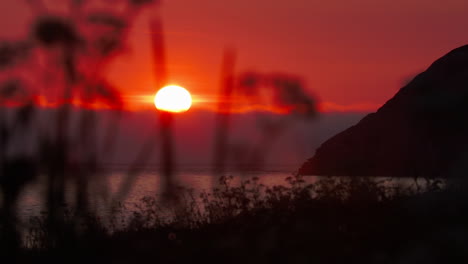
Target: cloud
x=355 y=107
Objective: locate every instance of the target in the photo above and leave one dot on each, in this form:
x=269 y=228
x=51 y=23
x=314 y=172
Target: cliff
x=421 y=131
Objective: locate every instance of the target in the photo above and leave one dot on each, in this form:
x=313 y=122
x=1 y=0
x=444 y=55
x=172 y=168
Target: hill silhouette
x=420 y=132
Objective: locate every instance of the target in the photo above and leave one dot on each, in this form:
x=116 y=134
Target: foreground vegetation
x=330 y=221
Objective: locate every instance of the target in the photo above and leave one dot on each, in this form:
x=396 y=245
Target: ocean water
x=106 y=187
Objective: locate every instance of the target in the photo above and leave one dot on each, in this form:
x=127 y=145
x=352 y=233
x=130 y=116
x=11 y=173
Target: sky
x=353 y=55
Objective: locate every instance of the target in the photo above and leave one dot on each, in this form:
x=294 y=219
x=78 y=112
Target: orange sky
x=353 y=54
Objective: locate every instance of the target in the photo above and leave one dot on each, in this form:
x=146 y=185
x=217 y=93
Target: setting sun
x=173 y=98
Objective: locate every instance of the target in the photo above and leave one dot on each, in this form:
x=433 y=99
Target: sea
x=115 y=184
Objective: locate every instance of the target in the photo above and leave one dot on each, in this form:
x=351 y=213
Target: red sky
x=353 y=54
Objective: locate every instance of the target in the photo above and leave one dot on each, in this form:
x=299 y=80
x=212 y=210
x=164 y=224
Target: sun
x=173 y=98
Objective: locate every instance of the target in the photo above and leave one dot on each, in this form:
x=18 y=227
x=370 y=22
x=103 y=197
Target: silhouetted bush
x=329 y=221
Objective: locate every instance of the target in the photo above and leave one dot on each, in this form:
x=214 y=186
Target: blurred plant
x=76 y=47
x=66 y=55
x=282 y=92
x=222 y=125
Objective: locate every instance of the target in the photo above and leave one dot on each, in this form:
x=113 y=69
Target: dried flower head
x=53 y=30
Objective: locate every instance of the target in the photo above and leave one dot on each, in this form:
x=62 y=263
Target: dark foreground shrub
x=330 y=221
